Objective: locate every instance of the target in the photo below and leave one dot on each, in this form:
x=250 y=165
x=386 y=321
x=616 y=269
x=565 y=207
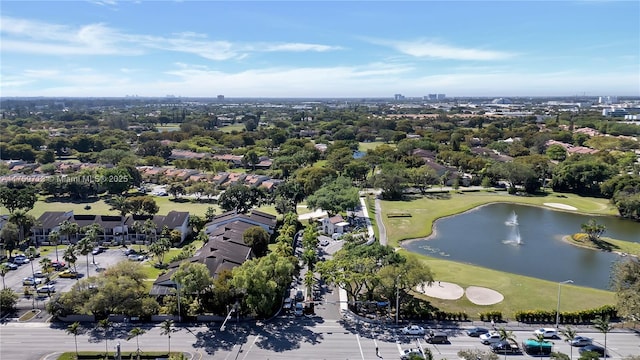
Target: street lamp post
x=397 y=298
x=178 y=293
x=558 y=308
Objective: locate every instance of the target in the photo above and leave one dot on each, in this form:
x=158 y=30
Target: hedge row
x=577 y=317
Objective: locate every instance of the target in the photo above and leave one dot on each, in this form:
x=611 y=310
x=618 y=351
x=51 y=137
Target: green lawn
x=364 y=146
x=230 y=128
x=99 y=206
x=520 y=292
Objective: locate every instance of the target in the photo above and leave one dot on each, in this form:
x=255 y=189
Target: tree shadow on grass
x=179 y=200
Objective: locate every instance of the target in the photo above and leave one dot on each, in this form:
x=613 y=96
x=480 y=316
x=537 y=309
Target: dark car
x=437 y=337
x=505 y=347
x=477 y=331
x=579 y=341
x=593 y=348
x=299 y=296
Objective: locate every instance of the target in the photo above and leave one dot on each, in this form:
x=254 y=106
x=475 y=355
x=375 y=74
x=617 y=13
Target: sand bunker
x=441 y=290
x=560 y=206
x=483 y=296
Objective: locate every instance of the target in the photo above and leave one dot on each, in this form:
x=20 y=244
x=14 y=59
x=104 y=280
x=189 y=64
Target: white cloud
x=371 y=80
x=33 y=37
x=299 y=47
x=437 y=50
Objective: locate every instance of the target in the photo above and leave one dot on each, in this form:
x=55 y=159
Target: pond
x=526 y=240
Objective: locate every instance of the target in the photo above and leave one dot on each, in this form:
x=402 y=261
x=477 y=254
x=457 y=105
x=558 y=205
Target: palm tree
x=70 y=256
x=68 y=228
x=540 y=339
x=92 y=232
x=136 y=332
x=166 y=329
x=24 y=222
x=150 y=228
x=506 y=335
x=84 y=247
x=123 y=207
x=105 y=324
x=31 y=253
x=74 y=329
x=54 y=238
x=603 y=325
x=45 y=263
x=138 y=227
x=4 y=269
x=309 y=281
x=569 y=334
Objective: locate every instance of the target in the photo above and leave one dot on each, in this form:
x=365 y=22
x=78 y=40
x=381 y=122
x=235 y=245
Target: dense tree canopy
x=335 y=196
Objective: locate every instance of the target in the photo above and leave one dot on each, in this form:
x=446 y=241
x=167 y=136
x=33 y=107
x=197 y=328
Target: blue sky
x=319 y=48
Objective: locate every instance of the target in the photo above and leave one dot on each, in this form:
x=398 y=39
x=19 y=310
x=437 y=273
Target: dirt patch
x=561 y=206
x=441 y=290
x=483 y=296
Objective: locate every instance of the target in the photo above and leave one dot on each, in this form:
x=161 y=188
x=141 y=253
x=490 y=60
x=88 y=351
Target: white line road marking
x=251 y=347
x=360 y=346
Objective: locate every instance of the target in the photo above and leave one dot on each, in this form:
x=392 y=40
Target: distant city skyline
x=313 y=49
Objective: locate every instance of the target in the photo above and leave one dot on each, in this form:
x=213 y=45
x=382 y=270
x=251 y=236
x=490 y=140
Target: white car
x=490 y=338
x=324 y=242
x=413 y=330
x=21 y=259
x=136 y=257
x=548 y=333
x=31 y=281
x=411 y=354
x=46 y=289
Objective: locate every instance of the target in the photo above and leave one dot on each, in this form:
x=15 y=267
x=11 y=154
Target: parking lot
x=97 y=263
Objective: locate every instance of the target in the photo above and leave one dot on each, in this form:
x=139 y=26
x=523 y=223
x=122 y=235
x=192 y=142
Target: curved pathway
x=382 y=231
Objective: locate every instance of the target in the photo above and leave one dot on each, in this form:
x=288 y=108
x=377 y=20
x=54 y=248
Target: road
x=283 y=338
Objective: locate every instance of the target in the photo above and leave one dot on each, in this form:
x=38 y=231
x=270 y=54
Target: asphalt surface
x=96 y=263
x=281 y=338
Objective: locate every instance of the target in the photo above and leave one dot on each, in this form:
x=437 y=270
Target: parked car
x=477 y=331
x=581 y=341
x=505 y=347
x=490 y=338
x=97 y=251
x=412 y=330
x=324 y=242
x=10 y=266
x=129 y=251
x=299 y=311
x=46 y=289
x=592 y=348
x=411 y=354
x=287 y=304
x=299 y=296
x=20 y=259
x=548 y=333
x=135 y=257
x=31 y=281
x=39 y=274
x=68 y=274
x=58 y=265
x=437 y=337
